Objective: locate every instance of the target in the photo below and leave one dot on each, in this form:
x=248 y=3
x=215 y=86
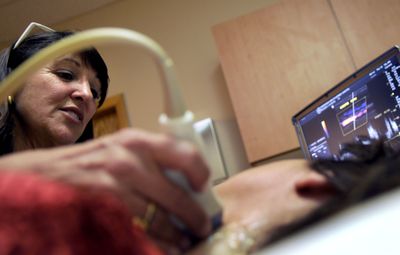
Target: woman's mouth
x=74 y=113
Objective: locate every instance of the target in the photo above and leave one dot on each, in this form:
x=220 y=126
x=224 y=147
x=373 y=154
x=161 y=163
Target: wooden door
x=110 y=117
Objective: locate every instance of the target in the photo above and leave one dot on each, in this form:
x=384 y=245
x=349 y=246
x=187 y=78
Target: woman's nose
x=83 y=91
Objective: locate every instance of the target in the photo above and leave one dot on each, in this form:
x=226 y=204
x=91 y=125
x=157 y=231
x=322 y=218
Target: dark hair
x=11 y=58
x=369 y=168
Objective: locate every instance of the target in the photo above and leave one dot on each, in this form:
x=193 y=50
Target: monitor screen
x=365 y=104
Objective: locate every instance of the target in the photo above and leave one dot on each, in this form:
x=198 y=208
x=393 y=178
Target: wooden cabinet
x=275 y=61
x=369 y=26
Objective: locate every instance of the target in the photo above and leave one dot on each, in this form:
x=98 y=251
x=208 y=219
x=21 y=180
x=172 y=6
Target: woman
x=55 y=106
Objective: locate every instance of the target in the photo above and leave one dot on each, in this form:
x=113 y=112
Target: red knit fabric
x=38 y=216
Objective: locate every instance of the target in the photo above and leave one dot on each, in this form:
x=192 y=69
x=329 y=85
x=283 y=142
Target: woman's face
x=57 y=102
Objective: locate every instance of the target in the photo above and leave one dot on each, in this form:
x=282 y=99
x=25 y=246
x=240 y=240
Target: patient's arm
x=259 y=200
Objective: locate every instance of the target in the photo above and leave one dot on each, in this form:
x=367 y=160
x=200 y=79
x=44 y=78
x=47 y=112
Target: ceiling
x=17 y=14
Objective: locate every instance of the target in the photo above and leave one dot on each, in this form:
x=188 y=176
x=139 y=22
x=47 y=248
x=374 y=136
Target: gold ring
x=148 y=218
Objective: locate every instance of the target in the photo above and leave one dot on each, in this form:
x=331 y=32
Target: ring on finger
x=148 y=218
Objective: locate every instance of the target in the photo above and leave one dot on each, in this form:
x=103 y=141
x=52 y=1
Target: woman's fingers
x=154 y=184
x=162 y=229
x=140 y=160
x=158 y=224
x=169 y=153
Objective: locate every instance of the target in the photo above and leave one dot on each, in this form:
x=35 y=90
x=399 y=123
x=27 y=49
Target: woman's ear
x=314 y=186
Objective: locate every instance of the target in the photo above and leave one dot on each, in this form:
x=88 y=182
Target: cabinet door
x=369 y=26
x=276 y=61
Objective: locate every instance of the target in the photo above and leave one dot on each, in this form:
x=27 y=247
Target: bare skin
x=259 y=200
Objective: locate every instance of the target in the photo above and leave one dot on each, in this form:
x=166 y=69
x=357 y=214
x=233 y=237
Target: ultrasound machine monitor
x=365 y=104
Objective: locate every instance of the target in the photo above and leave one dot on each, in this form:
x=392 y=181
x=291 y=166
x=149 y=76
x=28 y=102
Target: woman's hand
x=132 y=164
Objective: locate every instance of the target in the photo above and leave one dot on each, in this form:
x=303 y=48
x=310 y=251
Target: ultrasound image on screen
x=369 y=107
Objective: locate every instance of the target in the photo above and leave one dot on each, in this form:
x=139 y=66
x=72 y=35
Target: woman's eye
x=66 y=75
